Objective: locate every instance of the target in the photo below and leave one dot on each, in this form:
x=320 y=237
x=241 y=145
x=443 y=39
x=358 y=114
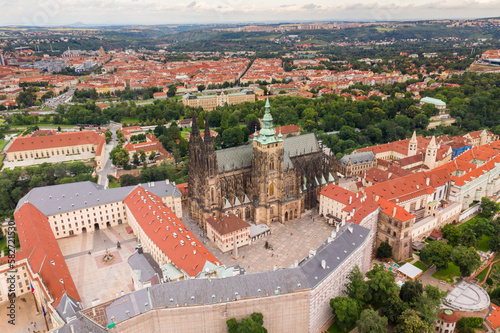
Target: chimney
x=394 y=211
x=72 y=329
x=93 y=311
x=139 y=249
x=350 y=200
x=323 y=264
x=357 y=195
x=428 y=181
x=167 y=181
x=336 y=228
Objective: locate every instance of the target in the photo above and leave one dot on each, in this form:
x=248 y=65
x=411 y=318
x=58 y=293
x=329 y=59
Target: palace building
x=272 y=179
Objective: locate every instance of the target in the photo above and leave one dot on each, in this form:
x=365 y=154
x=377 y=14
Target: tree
x=466 y=259
x=171 y=91
x=128 y=180
x=489 y=207
x=436 y=253
x=108 y=135
x=135 y=159
x=356 y=288
x=384 y=250
x=371 y=322
x=346 y=311
x=142 y=156
x=452 y=234
x=468 y=238
x=201 y=87
x=252 y=324
x=410 y=322
x=152 y=156
x=393 y=308
x=411 y=291
x=119 y=156
x=381 y=285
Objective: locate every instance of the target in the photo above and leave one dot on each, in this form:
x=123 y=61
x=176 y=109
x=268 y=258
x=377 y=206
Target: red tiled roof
x=409 y=186
x=168 y=232
x=183 y=188
x=338 y=193
x=58 y=140
x=46 y=258
x=227 y=224
x=494 y=317
x=362 y=208
x=394 y=210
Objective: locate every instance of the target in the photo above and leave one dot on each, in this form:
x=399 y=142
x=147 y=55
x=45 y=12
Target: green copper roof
x=267 y=134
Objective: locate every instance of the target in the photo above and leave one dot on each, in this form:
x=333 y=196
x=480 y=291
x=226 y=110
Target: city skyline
x=119 y=12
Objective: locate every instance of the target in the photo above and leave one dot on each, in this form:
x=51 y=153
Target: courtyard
x=98 y=281
x=290 y=242
x=27 y=318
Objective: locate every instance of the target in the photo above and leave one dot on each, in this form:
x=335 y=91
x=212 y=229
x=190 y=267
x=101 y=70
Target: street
x=108 y=168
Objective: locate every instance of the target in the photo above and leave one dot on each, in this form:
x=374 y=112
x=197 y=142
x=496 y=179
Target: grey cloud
x=311 y=6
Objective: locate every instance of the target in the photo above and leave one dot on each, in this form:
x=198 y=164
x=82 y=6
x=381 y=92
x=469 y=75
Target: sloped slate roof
x=358 y=158
x=241 y=157
x=209 y=291
x=58 y=199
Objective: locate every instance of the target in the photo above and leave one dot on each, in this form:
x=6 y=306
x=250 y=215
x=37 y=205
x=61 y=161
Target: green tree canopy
x=436 y=253
x=371 y=322
x=346 y=311
x=467 y=259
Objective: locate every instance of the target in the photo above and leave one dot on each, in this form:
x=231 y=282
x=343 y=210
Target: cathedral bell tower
x=203 y=174
x=267 y=171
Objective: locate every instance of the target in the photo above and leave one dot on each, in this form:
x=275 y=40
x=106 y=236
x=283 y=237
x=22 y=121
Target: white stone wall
x=333 y=286
x=69 y=223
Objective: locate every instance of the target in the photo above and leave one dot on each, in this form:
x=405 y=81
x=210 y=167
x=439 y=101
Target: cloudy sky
x=57 y=12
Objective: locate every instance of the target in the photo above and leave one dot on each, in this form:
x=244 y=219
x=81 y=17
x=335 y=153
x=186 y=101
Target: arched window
x=271 y=164
x=271 y=189
x=212 y=194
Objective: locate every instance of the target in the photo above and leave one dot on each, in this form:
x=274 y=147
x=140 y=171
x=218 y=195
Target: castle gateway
x=274 y=179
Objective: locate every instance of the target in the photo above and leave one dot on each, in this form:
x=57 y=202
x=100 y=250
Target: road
x=52 y=103
x=108 y=168
x=64 y=98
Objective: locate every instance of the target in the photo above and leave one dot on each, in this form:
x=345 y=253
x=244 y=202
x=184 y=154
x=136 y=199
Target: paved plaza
x=95 y=279
x=26 y=315
x=290 y=242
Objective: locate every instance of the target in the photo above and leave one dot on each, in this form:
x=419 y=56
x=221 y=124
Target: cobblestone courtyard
x=95 y=279
x=290 y=242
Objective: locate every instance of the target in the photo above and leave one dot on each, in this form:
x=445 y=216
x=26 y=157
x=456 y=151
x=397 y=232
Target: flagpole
x=34 y=298
x=36 y=304
x=45 y=317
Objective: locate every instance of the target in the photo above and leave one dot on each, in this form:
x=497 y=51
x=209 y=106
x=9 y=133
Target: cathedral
x=273 y=179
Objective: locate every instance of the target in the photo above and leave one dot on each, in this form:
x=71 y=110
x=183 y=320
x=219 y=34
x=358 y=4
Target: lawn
x=336 y=329
x=482 y=275
x=128 y=120
x=420 y=265
x=471 y=222
x=450 y=272
x=114 y=184
x=2 y=144
x=483 y=244
x=385 y=29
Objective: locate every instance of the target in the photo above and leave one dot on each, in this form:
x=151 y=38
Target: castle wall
x=284 y=313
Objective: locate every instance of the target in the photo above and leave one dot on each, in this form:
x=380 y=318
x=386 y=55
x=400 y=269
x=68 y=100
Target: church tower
x=203 y=174
x=267 y=171
x=212 y=202
x=412 y=149
x=431 y=154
